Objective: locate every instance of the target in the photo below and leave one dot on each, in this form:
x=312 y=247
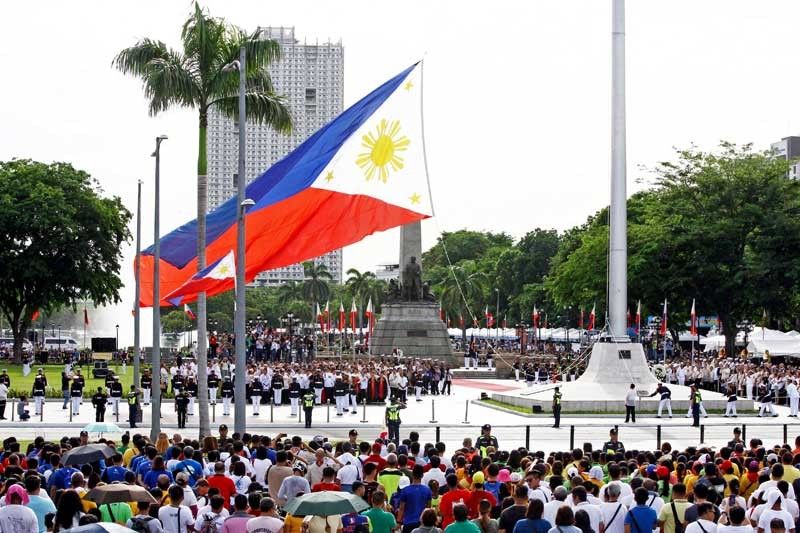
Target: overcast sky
x=517 y=97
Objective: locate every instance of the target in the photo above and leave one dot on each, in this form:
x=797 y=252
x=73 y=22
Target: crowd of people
x=232 y=483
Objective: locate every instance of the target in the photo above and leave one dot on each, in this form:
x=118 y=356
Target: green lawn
x=20 y=384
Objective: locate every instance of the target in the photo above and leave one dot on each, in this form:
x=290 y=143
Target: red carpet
x=483 y=385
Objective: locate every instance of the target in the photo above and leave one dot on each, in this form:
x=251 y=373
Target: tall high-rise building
x=789 y=148
x=311 y=78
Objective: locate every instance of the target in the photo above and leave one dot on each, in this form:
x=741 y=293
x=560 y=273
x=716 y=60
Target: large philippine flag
x=361 y=173
x=219 y=273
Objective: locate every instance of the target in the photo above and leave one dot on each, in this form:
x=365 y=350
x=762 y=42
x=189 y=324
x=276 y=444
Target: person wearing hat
x=76 y=393
x=340 y=391
x=485 y=440
x=191 y=392
x=116 y=394
x=181 y=407
x=147 y=386
x=665 y=400
x=133 y=406
x=294 y=396
x=15 y=515
x=99 y=400
x=227 y=394
x=556 y=408
x=613 y=444
x=308 y=406
x=730 y=406
x=766 y=400
x=293 y=485
x=256 y=390
x=393 y=420
x=37 y=391
x=213 y=385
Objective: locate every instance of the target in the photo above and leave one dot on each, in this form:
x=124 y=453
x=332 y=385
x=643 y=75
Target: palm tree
x=315 y=286
x=462 y=283
x=196 y=78
x=289 y=292
x=360 y=287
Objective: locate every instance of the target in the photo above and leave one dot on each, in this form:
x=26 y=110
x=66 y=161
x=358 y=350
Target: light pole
x=116 y=344
x=137 y=295
x=59 y=338
x=155 y=425
x=239 y=326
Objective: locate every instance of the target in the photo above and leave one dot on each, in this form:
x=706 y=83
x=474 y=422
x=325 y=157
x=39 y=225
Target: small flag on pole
x=592 y=316
x=638 y=316
x=85 y=317
x=35 y=315
x=663 y=331
x=189 y=312
x=489 y=317
x=693 y=325
x=353 y=313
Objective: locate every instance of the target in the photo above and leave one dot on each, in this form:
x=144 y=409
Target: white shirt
x=550 y=510
x=260 y=467
x=170 y=516
x=18 y=519
x=347 y=474
x=3 y=391
x=708 y=526
x=624 y=489
x=618 y=524
x=594 y=512
x=265 y=524
x=434 y=473
x=734 y=529
x=630 y=398
x=217 y=519
x=768 y=515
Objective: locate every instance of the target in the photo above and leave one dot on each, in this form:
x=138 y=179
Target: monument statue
x=412 y=281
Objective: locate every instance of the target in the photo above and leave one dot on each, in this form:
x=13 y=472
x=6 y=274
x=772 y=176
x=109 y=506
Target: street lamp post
x=116 y=344
x=155 y=425
x=136 y=340
x=59 y=338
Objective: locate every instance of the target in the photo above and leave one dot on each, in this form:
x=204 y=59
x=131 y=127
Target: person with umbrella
x=99 y=400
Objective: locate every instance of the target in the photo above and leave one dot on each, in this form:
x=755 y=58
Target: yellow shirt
x=292 y=524
x=667 y=517
x=790 y=473
x=128 y=456
x=689 y=481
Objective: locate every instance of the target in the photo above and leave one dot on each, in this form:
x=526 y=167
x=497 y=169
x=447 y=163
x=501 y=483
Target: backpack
x=140 y=524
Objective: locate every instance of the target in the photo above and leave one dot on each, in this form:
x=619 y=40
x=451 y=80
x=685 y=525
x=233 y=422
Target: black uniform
x=277 y=389
x=213 y=385
x=227 y=389
x=147 y=384
x=177 y=383
x=256 y=390
x=99 y=400
x=6 y=379
x=181 y=404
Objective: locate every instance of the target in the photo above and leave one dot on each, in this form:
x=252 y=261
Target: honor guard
x=340 y=393
x=213 y=385
x=666 y=399
x=109 y=380
x=318 y=384
x=730 y=406
x=256 y=389
x=37 y=391
x=116 y=394
x=177 y=382
x=76 y=393
x=99 y=400
x=353 y=395
x=277 y=389
x=308 y=406
x=147 y=386
x=191 y=392
x=294 y=396
x=181 y=405
x=227 y=394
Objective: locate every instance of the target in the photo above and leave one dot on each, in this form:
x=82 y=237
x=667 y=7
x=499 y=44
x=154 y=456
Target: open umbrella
x=87 y=454
x=325 y=503
x=100 y=527
x=102 y=427
x=119 y=492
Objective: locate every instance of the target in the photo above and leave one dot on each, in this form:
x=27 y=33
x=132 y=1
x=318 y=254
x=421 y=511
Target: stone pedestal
x=413 y=327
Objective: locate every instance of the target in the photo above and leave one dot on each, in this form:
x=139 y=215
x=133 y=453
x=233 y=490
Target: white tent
x=760 y=339
x=788 y=347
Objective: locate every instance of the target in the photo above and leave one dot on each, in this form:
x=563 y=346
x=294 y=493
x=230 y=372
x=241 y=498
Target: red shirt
x=475 y=499
x=377 y=459
x=319 y=487
x=225 y=486
x=450 y=498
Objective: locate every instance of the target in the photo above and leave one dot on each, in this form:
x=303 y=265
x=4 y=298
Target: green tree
x=361 y=286
x=175 y=322
x=463 y=292
x=720 y=227
x=196 y=78
x=62 y=242
x=289 y=292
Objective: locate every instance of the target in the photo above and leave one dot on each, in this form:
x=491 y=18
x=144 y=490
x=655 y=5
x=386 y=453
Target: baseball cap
x=84 y=433
x=486 y=426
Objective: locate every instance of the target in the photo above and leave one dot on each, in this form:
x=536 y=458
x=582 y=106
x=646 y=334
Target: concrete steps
x=471 y=373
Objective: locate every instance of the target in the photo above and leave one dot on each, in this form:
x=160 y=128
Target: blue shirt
x=416 y=498
x=114 y=473
x=40 y=507
x=143 y=468
x=529 y=525
x=150 y=479
x=641 y=518
x=191 y=467
x=61 y=478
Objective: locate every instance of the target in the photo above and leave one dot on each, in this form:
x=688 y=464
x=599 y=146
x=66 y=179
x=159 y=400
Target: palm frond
x=136 y=59
x=167 y=82
x=261 y=107
x=202 y=36
x=260 y=52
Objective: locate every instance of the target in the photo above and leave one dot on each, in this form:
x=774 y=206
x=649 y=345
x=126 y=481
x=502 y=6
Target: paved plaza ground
x=511 y=429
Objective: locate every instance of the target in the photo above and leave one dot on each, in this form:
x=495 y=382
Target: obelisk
x=410 y=243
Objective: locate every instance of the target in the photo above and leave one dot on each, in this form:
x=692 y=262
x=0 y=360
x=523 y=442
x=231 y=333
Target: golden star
x=329 y=176
x=223 y=269
x=409 y=85
x=415 y=198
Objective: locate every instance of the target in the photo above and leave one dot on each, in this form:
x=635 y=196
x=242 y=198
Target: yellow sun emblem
x=382 y=148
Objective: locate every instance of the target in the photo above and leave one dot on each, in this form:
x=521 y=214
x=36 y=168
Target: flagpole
x=137 y=295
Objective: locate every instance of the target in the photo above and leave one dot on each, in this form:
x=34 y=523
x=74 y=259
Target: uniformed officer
x=613 y=444
x=99 y=400
x=116 y=394
x=666 y=399
x=353 y=395
x=277 y=389
x=81 y=380
x=177 y=382
x=227 y=394
x=5 y=378
x=133 y=406
x=256 y=389
x=37 y=391
x=393 y=420
x=181 y=405
x=191 y=392
x=109 y=380
x=213 y=385
x=556 y=408
x=76 y=394
x=147 y=386
x=486 y=440
x=294 y=396
x=318 y=385
x=340 y=393
x=308 y=406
